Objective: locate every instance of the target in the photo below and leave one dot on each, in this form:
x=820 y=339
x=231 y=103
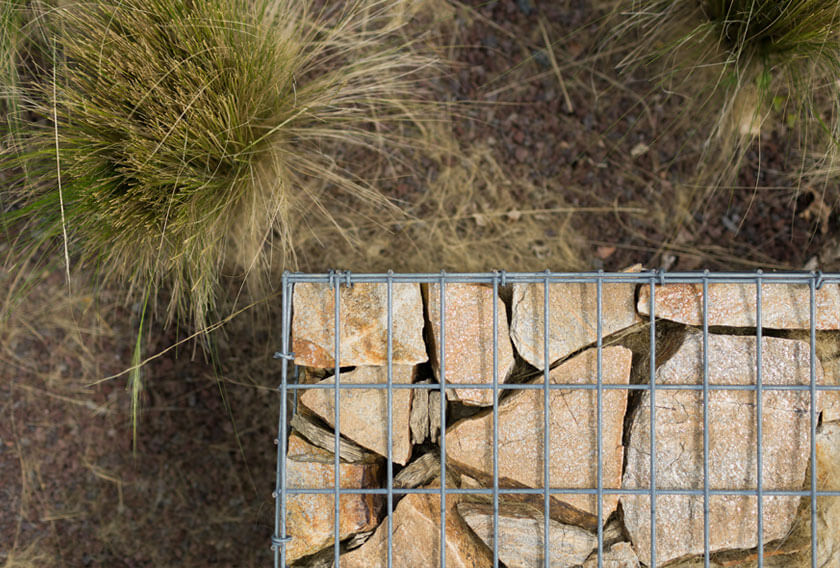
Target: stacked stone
x=424 y=355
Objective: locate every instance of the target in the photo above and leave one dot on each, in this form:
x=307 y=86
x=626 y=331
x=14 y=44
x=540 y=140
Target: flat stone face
x=828 y=508
x=828 y=353
x=522 y=536
x=416 y=538
x=469 y=339
x=573 y=317
x=783 y=306
x=310 y=518
x=619 y=555
x=572 y=439
x=364 y=412
x=732 y=446
x=363 y=329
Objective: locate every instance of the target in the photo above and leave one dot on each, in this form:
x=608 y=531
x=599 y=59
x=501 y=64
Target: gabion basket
x=649 y=285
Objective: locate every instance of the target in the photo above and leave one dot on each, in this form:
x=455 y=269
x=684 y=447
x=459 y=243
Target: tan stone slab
x=732 y=451
x=522 y=536
x=364 y=412
x=619 y=555
x=828 y=353
x=828 y=508
x=416 y=538
x=310 y=518
x=469 y=339
x=783 y=306
x=573 y=317
x=363 y=325
x=573 y=447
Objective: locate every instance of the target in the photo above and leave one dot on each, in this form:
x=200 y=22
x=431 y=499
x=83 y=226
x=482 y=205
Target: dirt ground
x=196 y=490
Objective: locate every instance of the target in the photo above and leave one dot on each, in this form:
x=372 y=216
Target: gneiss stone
x=828 y=508
x=732 y=446
x=469 y=339
x=315 y=434
x=619 y=555
x=310 y=517
x=416 y=538
x=425 y=414
x=783 y=306
x=573 y=317
x=522 y=536
x=572 y=441
x=363 y=413
x=828 y=353
x=363 y=325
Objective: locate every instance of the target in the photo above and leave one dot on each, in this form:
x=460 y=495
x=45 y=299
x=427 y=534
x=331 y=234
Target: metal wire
x=652 y=279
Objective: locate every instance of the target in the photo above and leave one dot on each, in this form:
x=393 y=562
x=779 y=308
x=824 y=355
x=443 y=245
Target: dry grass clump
x=736 y=63
x=180 y=142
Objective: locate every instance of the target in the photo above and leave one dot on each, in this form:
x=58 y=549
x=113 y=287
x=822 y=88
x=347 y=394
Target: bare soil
x=196 y=490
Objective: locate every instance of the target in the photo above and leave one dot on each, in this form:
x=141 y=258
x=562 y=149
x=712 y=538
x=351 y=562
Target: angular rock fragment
x=732 y=446
x=619 y=555
x=573 y=317
x=469 y=339
x=572 y=441
x=310 y=518
x=419 y=419
x=828 y=353
x=363 y=413
x=419 y=472
x=434 y=416
x=783 y=306
x=319 y=436
x=521 y=535
x=828 y=508
x=363 y=329
x=416 y=538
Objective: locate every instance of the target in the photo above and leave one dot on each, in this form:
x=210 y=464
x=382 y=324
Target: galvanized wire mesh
x=651 y=279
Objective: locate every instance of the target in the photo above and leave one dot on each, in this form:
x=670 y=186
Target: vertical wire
x=442 y=419
x=599 y=411
x=652 y=388
x=336 y=305
x=390 y=471
x=546 y=427
x=759 y=426
x=706 y=544
x=813 y=371
x=495 y=420
x=280 y=485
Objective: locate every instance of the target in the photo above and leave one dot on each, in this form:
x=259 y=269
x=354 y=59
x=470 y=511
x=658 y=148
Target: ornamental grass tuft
x=170 y=144
x=736 y=63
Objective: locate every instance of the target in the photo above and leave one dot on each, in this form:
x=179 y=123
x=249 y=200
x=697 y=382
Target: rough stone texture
x=619 y=555
x=416 y=538
x=732 y=455
x=363 y=325
x=469 y=339
x=310 y=518
x=419 y=419
x=783 y=306
x=828 y=508
x=573 y=321
x=364 y=412
x=828 y=353
x=425 y=414
x=434 y=416
x=521 y=536
x=573 y=446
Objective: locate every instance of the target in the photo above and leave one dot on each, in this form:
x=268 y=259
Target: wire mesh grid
x=653 y=280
